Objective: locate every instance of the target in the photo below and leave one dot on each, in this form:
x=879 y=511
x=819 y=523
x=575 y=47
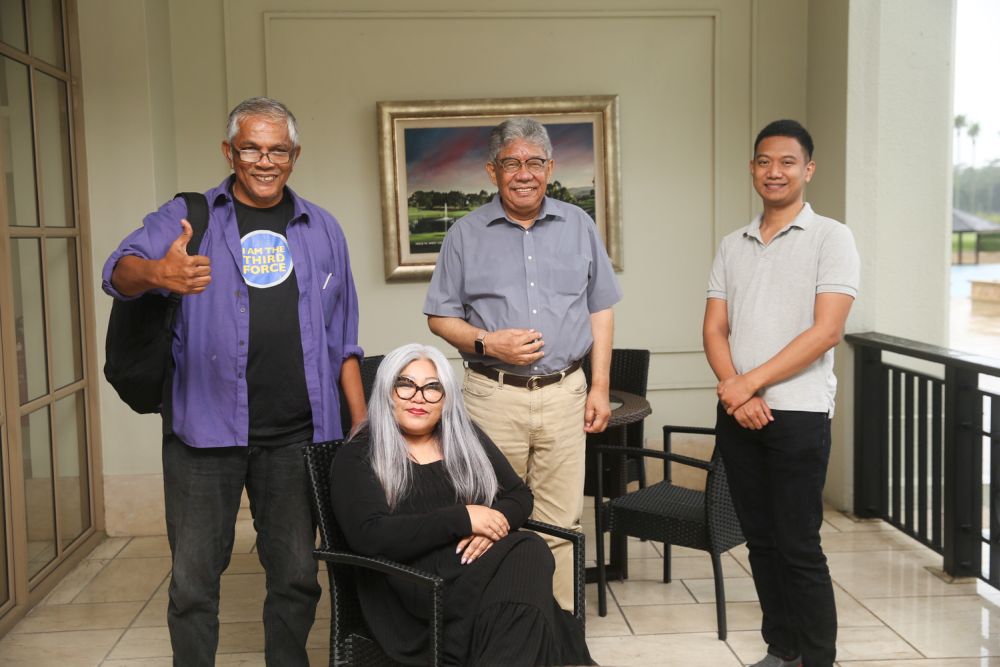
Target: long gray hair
x=465 y=460
x=262 y=106
x=520 y=127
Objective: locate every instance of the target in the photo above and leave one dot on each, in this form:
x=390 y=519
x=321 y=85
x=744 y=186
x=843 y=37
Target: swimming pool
x=961 y=275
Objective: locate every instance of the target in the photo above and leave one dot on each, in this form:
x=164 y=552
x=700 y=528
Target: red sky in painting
x=454 y=158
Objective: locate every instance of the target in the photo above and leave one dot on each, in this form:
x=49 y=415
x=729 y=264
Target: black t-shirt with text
x=280 y=413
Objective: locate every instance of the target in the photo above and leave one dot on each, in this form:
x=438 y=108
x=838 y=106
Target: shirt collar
x=803 y=220
x=221 y=196
x=494 y=212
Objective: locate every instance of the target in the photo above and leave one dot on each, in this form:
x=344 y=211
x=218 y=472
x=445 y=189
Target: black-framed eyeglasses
x=406 y=389
x=511 y=165
x=253 y=155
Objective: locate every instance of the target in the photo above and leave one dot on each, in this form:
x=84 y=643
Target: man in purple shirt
x=265 y=345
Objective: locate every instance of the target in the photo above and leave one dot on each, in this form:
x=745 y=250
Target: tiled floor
x=894 y=612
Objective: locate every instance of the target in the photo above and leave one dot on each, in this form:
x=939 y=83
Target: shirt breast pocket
x=568 y=275
x=331 y=291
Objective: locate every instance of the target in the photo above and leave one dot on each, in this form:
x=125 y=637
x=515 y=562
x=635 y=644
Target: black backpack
x=138 y=361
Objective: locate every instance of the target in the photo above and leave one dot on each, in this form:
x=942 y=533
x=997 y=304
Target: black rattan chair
x=369 y=367
x=665 y=512
x=351 y=642
x=629 y=372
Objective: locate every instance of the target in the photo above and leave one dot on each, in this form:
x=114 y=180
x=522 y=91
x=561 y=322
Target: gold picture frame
x=436 y=151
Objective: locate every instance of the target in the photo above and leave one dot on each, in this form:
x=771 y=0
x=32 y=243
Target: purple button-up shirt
x=210 y=348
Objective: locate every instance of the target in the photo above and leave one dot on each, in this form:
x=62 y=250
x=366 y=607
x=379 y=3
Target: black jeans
x=202 y=488
x=776 y=476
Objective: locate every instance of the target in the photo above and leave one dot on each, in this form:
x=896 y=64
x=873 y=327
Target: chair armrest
x=653 y=453
x=693 y=430
x=433 y=583
x=555 y=531
x=579 y=571
x=380 y=565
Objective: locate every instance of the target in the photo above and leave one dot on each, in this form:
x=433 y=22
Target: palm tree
x=973 y=133
x=959 y=126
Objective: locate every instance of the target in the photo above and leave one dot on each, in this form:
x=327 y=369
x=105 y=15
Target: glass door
x=47 y=497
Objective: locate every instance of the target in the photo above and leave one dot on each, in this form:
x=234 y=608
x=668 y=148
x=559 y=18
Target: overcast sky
x=977 y=78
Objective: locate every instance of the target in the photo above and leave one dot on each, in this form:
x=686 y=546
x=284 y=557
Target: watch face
x=480 y=348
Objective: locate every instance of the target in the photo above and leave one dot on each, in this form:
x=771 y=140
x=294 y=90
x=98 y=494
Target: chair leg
x=602 y=576
x=666 y=563
x=720 y=596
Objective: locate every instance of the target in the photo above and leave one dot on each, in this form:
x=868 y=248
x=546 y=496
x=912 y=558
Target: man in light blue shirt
x=523 y=287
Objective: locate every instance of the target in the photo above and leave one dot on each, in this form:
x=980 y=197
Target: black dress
x=498 y=610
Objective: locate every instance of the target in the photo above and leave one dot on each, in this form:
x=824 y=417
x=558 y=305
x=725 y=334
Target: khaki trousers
x=541 y=434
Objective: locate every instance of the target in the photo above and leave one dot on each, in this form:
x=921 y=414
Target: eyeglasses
x=511 y=165
x=406 y=389
x=253 y=155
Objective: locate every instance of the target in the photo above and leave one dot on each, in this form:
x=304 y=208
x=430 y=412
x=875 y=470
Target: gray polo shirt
x=770 y=292
x=495 y=274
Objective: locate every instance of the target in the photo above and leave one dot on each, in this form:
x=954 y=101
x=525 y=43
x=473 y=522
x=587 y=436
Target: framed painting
x=432 y=162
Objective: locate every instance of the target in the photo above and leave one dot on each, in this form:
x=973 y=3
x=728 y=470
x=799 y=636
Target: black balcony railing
x=921 y=441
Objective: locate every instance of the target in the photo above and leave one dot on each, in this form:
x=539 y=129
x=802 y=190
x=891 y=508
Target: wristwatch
x=481 y=343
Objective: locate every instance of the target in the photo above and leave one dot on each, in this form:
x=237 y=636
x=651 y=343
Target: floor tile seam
x=733 y=650
x=890 y=628
x=111 y=648
x=128 y=541
x=660 y=604
x=40 y=607
x=862 y=605
x=740 y=563
x=925 y=659
x=12 y=635
x=826 y=522
x=883 y=549
x=713 y=632
x=90 y=579
x=32 y=633
x=621 y=611
x=132 y=625
x=689 y=591
x=929 y=596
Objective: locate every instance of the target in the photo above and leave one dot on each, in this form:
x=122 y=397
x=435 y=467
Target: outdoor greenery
x=987 y=243
x=976 y=189
x=432 y=213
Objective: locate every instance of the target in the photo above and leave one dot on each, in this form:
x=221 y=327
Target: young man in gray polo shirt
x=778 y=297
x=523 y=287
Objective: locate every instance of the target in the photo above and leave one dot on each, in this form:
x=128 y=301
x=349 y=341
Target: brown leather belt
x=529 y=382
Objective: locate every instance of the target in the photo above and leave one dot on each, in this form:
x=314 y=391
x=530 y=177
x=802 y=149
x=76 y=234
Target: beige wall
x=695 y=79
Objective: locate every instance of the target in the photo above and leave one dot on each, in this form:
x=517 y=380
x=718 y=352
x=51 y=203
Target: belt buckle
x=533 y=382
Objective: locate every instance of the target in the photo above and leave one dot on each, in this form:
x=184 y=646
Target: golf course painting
x=432 y=168
x=446 y=176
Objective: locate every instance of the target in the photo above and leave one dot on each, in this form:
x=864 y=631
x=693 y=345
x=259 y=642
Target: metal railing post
x=868 y=466
x=962 y=474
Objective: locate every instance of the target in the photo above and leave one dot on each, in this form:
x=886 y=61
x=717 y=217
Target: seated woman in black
x=422 y=485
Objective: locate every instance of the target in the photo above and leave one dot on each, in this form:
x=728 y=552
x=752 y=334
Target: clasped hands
x=738 y=396
x=488 y=526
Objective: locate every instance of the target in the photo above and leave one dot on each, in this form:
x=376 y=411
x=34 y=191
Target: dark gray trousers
x=202 y=489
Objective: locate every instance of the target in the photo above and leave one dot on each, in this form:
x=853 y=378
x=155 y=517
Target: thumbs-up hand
x=182 y=273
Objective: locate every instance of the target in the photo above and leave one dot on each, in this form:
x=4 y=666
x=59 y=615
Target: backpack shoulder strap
x=197 y=215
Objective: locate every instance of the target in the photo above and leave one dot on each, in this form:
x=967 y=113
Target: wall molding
x=270 y=17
